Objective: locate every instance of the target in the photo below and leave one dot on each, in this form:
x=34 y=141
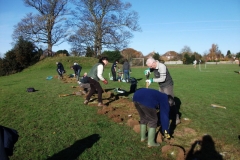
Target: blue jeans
x=77 y=74
x=126 y=74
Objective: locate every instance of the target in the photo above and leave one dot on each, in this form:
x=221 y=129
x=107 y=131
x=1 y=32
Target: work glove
x=149 y=81
x=105 y=81
x=147 y=71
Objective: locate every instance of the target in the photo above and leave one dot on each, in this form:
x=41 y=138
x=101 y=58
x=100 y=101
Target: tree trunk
x=50 y=50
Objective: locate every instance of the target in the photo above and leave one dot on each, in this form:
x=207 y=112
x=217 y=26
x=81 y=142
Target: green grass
x=63 y=128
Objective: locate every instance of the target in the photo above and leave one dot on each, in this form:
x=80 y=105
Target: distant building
x=169 y=56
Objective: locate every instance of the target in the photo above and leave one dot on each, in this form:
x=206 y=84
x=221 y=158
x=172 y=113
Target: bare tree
x=103 y=24
x=186 y=50
x=45 y=27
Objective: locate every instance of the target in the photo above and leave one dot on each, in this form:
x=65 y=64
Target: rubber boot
x=151 y=138
x=143 y=129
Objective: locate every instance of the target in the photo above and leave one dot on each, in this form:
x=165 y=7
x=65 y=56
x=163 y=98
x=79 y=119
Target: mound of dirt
x=173 y=152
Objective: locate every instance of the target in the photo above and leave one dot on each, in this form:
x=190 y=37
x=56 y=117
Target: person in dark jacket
x=163 y=78
x=77 y=70
x=94 y=76
x=60 y=70
x=147 y=101
x=8 y=137
x=3 y=154
x=114 y=70
x=126 y=69
x=83 y=82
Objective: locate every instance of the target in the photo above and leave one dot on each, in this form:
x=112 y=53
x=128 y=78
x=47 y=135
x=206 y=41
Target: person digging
x=147 y=101
x=94 y=76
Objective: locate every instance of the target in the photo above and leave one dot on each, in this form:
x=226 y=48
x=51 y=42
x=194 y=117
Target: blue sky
x=167 y=25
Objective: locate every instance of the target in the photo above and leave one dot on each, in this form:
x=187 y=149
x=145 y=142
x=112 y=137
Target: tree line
x=94 y=24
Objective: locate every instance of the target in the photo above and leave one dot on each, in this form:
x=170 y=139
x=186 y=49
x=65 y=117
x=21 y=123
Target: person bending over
x=94 y=76
x=147 y=101
x=60 y=70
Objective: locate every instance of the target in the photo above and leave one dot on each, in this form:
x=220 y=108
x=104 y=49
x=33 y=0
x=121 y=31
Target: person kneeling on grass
x=147 y=101
x=120 y=75
x=84 y=83
x=94 y=76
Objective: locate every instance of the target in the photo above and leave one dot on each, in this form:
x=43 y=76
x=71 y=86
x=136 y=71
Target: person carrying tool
x=94 y=76
x=164 y=79
x=147 y=101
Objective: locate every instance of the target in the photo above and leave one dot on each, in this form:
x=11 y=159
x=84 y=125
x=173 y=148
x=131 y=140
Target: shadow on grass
x=207 y=150
x=237 y=72
x=75 y=150
x=173 y=111
x=138 y=79
x=117 y=96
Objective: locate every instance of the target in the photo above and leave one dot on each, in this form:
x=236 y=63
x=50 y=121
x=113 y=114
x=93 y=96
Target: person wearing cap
x=164 y=79
x=60 y=70
x=77 y=70
x=94 y=76
x=147 y=101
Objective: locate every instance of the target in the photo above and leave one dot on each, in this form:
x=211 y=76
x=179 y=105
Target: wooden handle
x=65 y=95
x=147 y=84
x=217 y=106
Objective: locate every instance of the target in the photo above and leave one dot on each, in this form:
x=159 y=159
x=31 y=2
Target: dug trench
x=121 y=110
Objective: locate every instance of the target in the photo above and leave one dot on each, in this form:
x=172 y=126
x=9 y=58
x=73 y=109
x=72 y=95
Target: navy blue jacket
x=9 y=137
x=152 y=98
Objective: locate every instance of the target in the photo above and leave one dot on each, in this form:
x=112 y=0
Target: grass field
x=52 y=127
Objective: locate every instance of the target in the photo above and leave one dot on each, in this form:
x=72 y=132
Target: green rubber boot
x=143 y=129
x=151 y=138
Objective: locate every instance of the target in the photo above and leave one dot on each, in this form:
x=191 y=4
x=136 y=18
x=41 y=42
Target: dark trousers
x=60 y=72
x=147 y=115
x=94 y=85
x=114 y=75
x=77 y=74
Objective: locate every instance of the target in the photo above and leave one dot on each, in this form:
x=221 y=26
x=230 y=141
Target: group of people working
x=147 y=101
x=76 y=67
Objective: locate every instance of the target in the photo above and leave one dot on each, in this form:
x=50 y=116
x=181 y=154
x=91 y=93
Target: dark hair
x=171 y=101
x=101 y=60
